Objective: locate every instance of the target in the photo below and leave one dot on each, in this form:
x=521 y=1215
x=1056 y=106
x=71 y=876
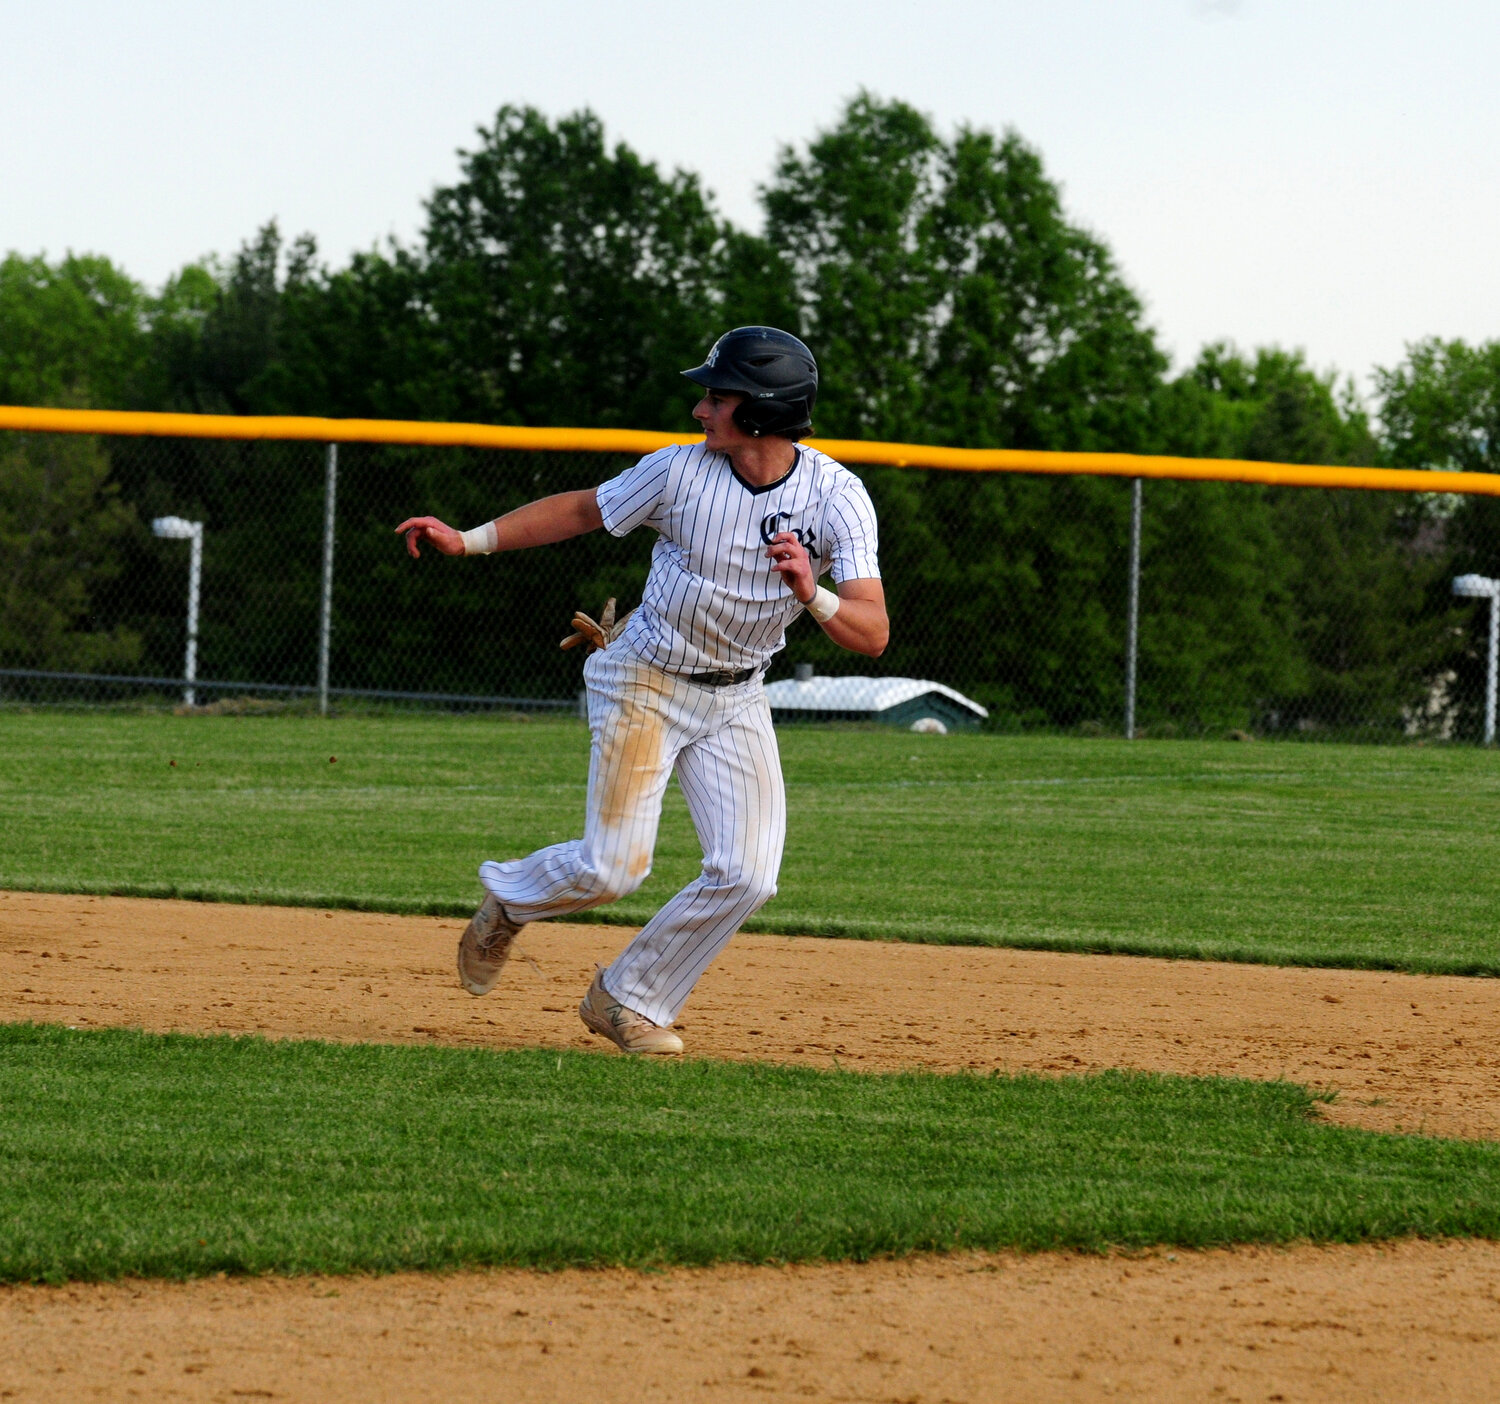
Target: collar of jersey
x=768 y=487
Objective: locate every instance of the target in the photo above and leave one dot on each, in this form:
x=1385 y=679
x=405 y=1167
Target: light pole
x=1483 y=587
x=180 y=529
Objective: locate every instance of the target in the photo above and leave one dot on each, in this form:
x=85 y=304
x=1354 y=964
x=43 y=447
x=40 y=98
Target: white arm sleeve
x=635 y=496
x=855 y=537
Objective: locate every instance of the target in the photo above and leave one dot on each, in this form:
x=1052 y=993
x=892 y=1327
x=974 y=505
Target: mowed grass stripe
x=126 y=1153
x=1299 y=854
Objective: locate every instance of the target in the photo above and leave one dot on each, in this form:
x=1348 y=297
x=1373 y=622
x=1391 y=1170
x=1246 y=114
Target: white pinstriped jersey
x=712 y=600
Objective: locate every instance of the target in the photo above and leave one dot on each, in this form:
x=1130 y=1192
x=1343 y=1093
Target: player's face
x=715 y=412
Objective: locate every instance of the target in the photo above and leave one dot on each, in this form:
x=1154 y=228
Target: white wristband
x=481 y=540
x=823 y=605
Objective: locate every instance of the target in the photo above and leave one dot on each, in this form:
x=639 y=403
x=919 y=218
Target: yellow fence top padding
x=641 y=441
x=337 y=431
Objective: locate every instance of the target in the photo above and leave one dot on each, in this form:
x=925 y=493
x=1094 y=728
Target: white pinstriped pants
x=645 y=723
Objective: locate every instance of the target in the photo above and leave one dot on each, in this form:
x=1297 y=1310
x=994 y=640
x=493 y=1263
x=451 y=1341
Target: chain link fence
x=1266 y=611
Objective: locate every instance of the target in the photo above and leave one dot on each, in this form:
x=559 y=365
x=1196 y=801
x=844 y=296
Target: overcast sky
x=1314 y=173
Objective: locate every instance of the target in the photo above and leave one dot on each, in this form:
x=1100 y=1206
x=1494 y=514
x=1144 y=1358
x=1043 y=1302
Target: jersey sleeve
x=854 y=537
x=635 y=497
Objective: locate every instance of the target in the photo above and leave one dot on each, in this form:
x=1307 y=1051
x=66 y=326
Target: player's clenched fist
x=440 y=534
x=789 y=560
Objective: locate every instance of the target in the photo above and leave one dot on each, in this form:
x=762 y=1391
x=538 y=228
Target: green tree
x=62 y=525
x=570 y=283
x=850 y=218
x=1218 y=630
x=559 y=281
x=176 y=317
x=1353 y=570
x=222 y=332
x=71 y=333
x=277 y=332
x=562 y=279
x=951 y=301
x=1271 y=407
x=950 y=297
x=1440 y=409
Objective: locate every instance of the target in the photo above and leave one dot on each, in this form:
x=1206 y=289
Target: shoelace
x=495 y=943
x=499 y=933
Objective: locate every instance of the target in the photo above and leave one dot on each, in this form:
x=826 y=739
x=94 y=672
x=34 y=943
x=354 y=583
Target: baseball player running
x=746 y=523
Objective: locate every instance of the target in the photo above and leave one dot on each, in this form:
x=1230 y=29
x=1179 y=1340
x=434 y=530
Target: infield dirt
x=1404 y=1053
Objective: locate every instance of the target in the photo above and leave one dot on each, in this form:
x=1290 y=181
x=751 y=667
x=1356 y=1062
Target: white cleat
x=628 y=1031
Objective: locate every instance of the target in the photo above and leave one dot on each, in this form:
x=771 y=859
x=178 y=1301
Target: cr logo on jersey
x=771 y=525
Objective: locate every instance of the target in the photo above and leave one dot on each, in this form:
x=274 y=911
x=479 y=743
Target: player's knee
x=610 y=879
x=762 y=891
x=746 y=888
x=753 y=890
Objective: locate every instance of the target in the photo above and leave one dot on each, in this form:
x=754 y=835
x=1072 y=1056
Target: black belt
x=721 y=677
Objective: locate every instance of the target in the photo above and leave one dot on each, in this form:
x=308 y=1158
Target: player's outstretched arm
x=539 y=523
x=860 y=624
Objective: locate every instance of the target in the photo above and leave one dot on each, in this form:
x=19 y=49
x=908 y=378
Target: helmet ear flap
x=759 y=417
x=752 y=416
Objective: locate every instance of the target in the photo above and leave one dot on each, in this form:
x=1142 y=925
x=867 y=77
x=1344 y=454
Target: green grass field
x=1320 y=854
x=126 y=1153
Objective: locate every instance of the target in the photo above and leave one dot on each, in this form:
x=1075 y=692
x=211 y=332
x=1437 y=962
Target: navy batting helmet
x=773 y=370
